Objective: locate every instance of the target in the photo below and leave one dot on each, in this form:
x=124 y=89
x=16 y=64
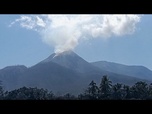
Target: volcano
x=71 y=60
x=62 y=73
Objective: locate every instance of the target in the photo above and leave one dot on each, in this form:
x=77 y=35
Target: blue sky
x=20 y=46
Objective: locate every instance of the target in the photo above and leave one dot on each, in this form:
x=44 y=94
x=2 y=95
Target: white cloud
x=40 y=22
x=65 y=31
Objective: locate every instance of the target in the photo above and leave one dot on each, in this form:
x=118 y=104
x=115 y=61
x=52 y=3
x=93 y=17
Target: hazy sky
x=28 y=39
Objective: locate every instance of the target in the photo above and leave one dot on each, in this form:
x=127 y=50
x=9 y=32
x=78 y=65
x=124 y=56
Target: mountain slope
x=71 y=60
x=53 y=77
x=10 y=75
x=69 y=72
x=134 y=71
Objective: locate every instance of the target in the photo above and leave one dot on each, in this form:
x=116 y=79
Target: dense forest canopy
x=104 y=91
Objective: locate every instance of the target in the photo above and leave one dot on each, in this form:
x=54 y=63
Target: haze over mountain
x=62 y=73
x=10 y=75
x=134 y=71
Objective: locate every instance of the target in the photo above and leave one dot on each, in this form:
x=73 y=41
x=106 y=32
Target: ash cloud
x=65 y=31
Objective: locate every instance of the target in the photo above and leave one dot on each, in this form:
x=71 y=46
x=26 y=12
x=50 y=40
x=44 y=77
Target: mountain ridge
x=131 y=70
x=64 y=72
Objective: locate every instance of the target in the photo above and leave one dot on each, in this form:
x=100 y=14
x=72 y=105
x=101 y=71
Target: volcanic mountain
x=71 y=60
x=62 y=73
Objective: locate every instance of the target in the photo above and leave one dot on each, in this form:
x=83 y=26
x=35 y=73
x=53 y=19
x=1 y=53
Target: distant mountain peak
x=14 y=67
x=71 y=60
x=54 y=56
x=69 y=52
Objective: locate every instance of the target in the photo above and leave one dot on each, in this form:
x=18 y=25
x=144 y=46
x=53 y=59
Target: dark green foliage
x=139 y=91
x=92 y=91
x=25 y=93
x=1 y=91
x=105 y=88
x=67 y=96
x=126 y=92
x=150 y=91
x=106 y=91
x=117 y=91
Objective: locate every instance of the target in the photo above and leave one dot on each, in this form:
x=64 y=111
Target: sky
x=28 y=39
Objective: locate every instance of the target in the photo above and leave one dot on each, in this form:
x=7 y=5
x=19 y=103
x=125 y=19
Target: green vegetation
x=105 y=91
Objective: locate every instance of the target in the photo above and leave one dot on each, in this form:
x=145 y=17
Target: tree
x=69 y=96
x=150 y=91
x=140 y=90
x=117 y=91
x=105 y=88
x=126 y=92
x=1 y=91
x=91 y=92
x=25 y=93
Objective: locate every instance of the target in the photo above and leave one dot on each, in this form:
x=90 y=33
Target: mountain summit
x=70 y=60
x=55 y=56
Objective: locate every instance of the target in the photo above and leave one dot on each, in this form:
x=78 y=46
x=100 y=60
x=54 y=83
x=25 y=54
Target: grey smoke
x=64 y=31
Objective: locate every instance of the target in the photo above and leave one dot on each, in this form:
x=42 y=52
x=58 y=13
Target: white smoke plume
x=64 y=31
